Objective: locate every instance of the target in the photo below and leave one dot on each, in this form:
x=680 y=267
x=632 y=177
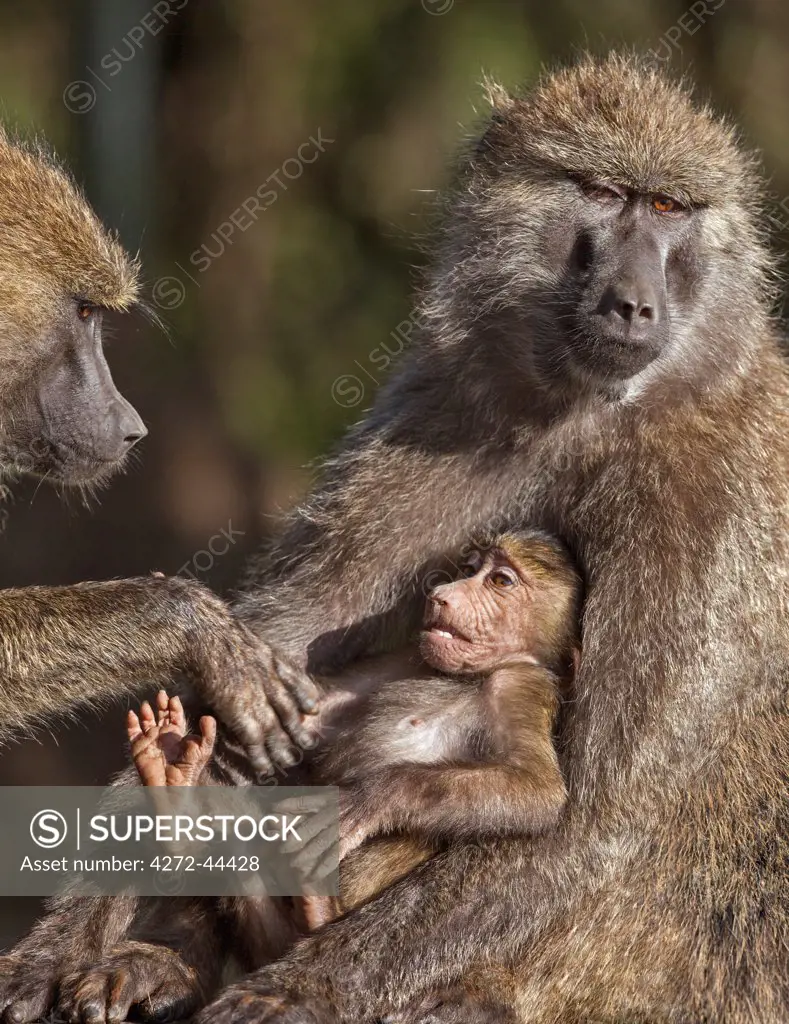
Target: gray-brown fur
x=663 y=895
x=62 y=419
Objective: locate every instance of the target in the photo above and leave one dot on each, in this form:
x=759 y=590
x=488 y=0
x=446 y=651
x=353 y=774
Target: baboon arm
x=458 y=802
x=84 y=946
x=362 y=966
x=61 y=645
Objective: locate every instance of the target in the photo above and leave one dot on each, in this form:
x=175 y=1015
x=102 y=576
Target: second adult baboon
x=598 y=357
x=63 y=420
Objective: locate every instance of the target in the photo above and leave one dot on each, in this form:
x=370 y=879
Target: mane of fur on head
x=615 y=119
x=52 y=244
x=632 y=123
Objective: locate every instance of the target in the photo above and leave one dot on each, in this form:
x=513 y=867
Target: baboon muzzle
x=632 y=303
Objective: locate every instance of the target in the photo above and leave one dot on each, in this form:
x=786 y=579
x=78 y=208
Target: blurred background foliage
x=175 y=114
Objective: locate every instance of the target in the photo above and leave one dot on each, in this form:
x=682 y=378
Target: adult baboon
x=598 y=357
x=62 y=419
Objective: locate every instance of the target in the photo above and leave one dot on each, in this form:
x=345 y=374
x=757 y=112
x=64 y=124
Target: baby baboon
x=433 y=758
x=467 y=753
x=63 y=419
x=597 y=356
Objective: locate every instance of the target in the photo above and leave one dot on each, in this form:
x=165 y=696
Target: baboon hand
x=152 y=979
x=266 y=700
x=452 y=1007
x=255 y=1001
x=27 y=989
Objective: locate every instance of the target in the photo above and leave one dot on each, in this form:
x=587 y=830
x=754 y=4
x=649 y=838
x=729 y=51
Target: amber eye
x=502 y=578
x=663 y=204
x=85 y=310
x=467 y=570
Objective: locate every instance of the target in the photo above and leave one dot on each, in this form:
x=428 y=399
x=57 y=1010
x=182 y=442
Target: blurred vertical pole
x=116 y=49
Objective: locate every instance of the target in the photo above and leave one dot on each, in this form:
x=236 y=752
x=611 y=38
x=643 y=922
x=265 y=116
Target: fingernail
x=310 y=705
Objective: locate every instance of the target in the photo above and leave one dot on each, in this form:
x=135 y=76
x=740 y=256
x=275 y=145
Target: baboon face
x=66 y=420
x=511 y=605
x=605 y=234
x=61 y=416
x=629 y=250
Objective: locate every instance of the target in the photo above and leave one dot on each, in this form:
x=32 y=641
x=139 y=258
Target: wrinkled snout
x=445 y=597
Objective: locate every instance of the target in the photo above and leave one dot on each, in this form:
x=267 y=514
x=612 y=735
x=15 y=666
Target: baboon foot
x=27 y=989
x=138 y=980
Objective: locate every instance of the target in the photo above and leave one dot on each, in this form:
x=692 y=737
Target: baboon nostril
x=131 y=427
x=132 y=439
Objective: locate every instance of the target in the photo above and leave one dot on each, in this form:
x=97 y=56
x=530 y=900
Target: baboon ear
x=495 y=93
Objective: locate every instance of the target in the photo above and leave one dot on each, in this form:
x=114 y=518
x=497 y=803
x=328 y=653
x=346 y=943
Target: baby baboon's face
x=491 y=617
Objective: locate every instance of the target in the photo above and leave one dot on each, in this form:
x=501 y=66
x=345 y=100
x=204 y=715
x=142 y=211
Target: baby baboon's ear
x=495 y=93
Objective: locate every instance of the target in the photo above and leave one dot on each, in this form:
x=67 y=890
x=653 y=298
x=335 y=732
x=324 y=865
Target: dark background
x=173 y=116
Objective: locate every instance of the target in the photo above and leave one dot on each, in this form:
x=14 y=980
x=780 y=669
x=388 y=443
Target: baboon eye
x=664 y=204
x=467 y=570
x=502 y=578
x=601 y=193
x=85 y=310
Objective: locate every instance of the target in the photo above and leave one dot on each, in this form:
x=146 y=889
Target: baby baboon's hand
x=163 y=751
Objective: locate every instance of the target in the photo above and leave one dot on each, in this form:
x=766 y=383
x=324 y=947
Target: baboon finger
x=177 y=716
x=280 y=749
x=304 y=689
x=121 y=994
x=313 y=851
x=326 y=864
x=165 y=1005
x=162 y=709
x=30 y=1007
x=207 y=734
x=133 y=727
x=308 y=804
x=276 y=741
x=86 y=1000
x=147 y=716
x=288 y=713
x=255 y=749
x=319 y=823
